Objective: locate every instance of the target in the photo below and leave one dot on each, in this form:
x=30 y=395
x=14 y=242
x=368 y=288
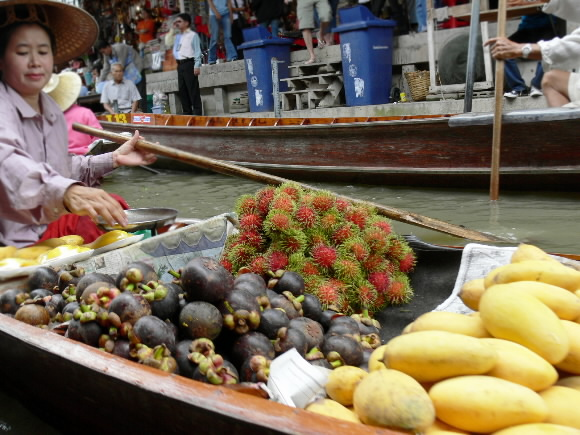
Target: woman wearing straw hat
x=40 y=183
x=65 y=88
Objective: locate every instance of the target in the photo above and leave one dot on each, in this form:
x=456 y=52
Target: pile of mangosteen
x=206 y=324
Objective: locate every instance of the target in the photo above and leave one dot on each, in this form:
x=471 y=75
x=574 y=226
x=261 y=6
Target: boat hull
x=408 y=151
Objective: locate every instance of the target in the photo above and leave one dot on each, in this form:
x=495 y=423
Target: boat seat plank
x=516 y=116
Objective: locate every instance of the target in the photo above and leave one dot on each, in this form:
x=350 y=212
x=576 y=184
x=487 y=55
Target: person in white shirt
x=120 y=95
x=188 y=49
x=559 y=85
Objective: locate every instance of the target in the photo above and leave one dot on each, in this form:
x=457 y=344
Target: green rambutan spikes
x=347 y=269
x=344 y=232
x=378 y=240
x=323 y=201
x=246 y=204
x=356 y=247
x=381 y=222
x=291 y=241
x=330 y=220
x=296 y=261
x=367 y=295
x=293 y=189
x=240 y=255
x=277 y=221
x=316 y=237
x=283 y=202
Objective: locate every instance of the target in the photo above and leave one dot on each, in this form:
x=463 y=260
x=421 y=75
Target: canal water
x=547 y=219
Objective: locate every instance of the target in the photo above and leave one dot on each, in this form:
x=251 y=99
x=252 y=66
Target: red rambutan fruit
x=324 y=255
x=347 y=269
x=260 y=265
x=283 y=202
x=291 y=241
x=367 y=295
x=246 y=204
x=329 y=294
x=342 y=204
x=306 y=216
x=357 y=215
x=264 y=198
x=251 y=237
x=329 y=221
x=310 y=268
x=374 y=263
x=277 y=260
x=227 y=264
x=323 y=201
x=407 y=263
x=396 y=248
x=380 y=281
x=342 y=233
x=291 y=189
x=377 y=239
x=399 y=292
x=277 y=221
x=251 y=221
x=383 y=224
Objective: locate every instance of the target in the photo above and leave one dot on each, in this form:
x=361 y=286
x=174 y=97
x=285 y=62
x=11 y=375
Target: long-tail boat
x=537 y=146
x=77 y=388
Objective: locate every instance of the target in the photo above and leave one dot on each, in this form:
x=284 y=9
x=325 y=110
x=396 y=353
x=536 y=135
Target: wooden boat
x=537 y=147
x=76 y=387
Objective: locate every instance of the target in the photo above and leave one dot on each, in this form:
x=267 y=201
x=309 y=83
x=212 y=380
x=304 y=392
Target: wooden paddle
x=499 y=79
x=251 y=174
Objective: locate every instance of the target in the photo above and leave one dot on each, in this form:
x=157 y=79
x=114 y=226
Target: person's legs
x=305 y=13
x=183 y=87
x=538 y=76
x=275 y=24
x=227 y=29
x=307 y=36
x=325 y=15
x=555 y=86
x=195 y=95
x=214 y=31
x=514 y=81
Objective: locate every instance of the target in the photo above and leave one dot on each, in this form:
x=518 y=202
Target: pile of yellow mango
x=12 y=257
x=512 y=367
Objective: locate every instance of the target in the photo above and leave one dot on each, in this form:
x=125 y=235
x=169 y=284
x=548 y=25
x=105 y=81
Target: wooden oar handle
x=251 y=174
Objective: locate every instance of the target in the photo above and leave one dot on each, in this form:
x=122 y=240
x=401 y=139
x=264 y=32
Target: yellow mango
x=564 y=303
x=451 y=322
x=471 y=292
x=517 y=316
x=520 y=365
x=563 y=405
x=390 y=398
x=526 y=252
x=72 y=239
x=571 y=364
x=61 y=252
x=342 y=382
x=51 y=243
x=108 y=238
x=430 y=356
x=486 y=404
x=7 y=251
x=553 y=273
x=330 y=408
x=376 y=358
x=31 y=252
x=538 y=429
x=14 y=263
x=570 y=382
x=441 y=428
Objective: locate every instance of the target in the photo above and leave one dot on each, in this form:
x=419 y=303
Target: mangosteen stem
x=174 y=274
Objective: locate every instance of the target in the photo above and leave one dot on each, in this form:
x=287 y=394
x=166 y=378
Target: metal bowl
x=143 y=219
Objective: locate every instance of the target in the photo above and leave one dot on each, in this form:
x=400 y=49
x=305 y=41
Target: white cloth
x=563 y=53
x=190 y=47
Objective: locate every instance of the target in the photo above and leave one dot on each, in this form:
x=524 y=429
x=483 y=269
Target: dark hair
x=6 y=35
x=185 y=17
x=101 y=44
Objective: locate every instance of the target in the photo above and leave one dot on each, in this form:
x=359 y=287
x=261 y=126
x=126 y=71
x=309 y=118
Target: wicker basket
x=418 y=84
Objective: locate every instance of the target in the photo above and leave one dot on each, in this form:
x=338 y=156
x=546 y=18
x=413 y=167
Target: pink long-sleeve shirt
x=78 y=143
x=36 y=168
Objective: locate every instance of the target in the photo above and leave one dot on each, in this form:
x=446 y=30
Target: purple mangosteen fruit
x=205 y=279
x=200 y=320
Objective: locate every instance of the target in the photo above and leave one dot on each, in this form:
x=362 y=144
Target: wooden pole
x=499 y=79
x=251 y=174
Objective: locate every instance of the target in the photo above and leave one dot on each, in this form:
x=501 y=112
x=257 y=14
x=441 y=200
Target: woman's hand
x=503 y=48
x=88 y=201
x=128 y=155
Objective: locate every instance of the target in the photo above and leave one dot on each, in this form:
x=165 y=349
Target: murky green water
x=549 y=220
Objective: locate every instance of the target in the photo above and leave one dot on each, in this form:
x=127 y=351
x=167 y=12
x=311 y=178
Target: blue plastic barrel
x=259 y=49
x=366 y=44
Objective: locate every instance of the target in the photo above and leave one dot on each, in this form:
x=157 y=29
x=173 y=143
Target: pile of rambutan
x=346 y=252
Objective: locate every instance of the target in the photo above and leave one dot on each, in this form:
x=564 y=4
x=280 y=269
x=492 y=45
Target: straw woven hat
x=64 y=88
x=74 y=29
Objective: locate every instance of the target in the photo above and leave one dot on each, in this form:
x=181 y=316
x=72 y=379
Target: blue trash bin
x=366 y=45
x=259 y=49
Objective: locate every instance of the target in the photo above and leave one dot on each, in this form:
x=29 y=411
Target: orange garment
x=149 y=26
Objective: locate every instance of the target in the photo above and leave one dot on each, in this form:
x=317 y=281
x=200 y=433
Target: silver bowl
x=149 y=218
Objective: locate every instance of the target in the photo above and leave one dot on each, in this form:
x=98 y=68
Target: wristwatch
x=526 y=50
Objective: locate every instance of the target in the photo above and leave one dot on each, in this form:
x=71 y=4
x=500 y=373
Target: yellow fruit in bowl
x=72 y=239
x=61 y=252
x=15 y=263
x=31 y=252
x=108 y=238
x=7 y=252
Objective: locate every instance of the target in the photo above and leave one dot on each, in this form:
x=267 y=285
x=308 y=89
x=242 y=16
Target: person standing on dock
x=305 y=13
x=44 y=189
x=219 y=17
x=188 y=51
